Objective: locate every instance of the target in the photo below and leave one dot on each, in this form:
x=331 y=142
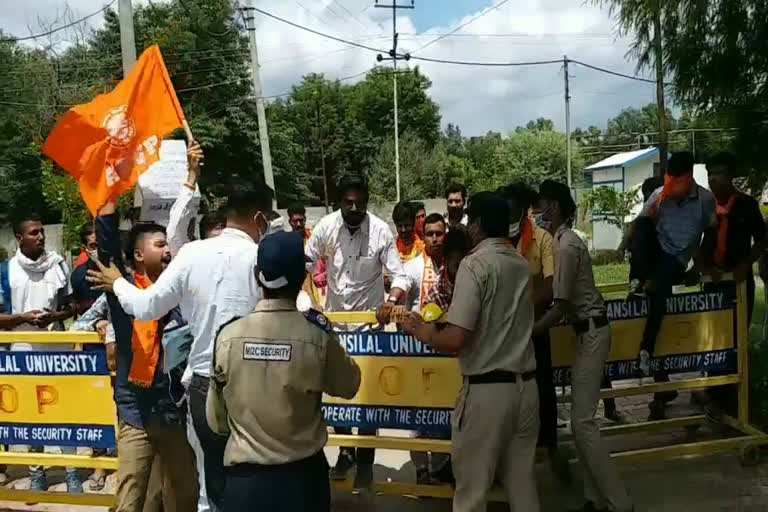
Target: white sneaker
x=644 y=363
x=635 y=289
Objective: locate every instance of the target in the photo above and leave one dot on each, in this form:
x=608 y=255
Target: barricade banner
x=407 y=385
x=698 y=334
x=56 y=399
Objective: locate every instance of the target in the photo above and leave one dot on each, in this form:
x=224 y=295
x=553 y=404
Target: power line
x=53 y=31
x=443 y=36
x=316 y=32
x=487 y=64
x=615 y=73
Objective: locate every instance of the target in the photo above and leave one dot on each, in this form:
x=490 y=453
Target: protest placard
x=162 y=183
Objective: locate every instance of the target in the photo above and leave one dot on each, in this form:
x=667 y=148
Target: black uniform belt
x=499 y=376
x=583 y=326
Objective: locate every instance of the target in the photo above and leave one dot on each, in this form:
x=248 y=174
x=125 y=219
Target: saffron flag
x=107 y=143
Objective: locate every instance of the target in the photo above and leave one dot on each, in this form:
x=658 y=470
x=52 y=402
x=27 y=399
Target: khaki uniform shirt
x=270 y=371
x=574 y=282
x=492 y=300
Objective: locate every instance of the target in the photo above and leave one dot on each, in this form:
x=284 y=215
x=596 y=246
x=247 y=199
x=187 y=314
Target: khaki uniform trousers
x=602 y=485
x=494 y=431
x=139 y=450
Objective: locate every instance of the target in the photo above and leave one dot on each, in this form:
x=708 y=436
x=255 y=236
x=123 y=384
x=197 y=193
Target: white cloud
x=477 y=98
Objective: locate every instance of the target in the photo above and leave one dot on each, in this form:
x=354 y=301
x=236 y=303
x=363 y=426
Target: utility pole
x=266 y=156
x=567 y=122
x=127 y=39
x=659 y=60
x=322 y=152
x=393 y=57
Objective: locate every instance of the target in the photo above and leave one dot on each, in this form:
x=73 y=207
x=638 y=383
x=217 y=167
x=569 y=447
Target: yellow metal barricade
x=387 y=388
x=704 y=333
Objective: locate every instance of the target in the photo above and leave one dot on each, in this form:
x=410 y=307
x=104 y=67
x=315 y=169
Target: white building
x=624 y=172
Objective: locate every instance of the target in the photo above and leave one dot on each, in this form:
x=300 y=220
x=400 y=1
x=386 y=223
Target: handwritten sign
x=161 y=183
x=56 y=398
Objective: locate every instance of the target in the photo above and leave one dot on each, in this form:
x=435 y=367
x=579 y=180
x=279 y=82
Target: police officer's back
x=270 y=371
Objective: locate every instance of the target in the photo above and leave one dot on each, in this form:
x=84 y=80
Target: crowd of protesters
x=195 y=431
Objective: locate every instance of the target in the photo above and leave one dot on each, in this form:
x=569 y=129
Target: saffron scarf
x=526 y=235
x=406 y=254
x=723 y=211
x=145 y=345
x=675 y=187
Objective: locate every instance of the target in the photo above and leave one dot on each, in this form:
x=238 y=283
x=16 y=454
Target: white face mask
x=514 y=228
x=93 y=254
x=272 y=227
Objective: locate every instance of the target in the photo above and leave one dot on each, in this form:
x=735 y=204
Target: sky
x=477 y=99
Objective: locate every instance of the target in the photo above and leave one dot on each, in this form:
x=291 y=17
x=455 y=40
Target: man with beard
x=456 y=201
x=356 y=246
x=150 y=424
x=423 y=272
x=36 y=291
x=409 y=246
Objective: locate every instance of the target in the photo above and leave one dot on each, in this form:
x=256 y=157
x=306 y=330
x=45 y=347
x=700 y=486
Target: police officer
x=270 y=371
x=577 y=299
x=496 y=420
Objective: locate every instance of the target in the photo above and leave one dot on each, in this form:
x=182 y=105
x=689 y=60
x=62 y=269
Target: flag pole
x=185 y=125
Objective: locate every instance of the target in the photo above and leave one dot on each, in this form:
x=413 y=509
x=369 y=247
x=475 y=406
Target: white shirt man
x=355 y=261
x=213 y=281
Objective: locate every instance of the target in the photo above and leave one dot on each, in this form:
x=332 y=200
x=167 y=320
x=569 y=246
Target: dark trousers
x=547 y=397
x=294 y=487
x=609 y=404
x=650 y=263
x=363 y=456
x=213 y=444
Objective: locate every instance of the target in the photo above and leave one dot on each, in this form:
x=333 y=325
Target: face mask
x=514 y=228
x=677 y=187
x=93 y=254
x=276 y=226
x=543 y=221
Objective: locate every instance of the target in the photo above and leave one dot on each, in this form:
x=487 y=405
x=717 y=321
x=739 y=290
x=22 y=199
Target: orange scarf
x=722 y=233
x=675 y=187
x=145 y=345
x=417 y=247
x=526 y=235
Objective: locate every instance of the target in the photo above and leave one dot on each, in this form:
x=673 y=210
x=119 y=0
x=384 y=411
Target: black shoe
x=668 y=396
x=561 y=467
x=343 y=464
x=589 y=507
x=658 y=411
x=422 y=476
x=444 y=475
x=364 y=476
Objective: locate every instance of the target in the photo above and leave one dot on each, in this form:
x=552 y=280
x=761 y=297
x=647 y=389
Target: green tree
x=530 y=156
x=611 y=204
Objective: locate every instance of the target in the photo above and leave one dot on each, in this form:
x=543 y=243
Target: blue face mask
x=543 y=221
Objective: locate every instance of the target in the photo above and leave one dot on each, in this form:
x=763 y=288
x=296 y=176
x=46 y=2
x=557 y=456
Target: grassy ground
x=611 y=273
